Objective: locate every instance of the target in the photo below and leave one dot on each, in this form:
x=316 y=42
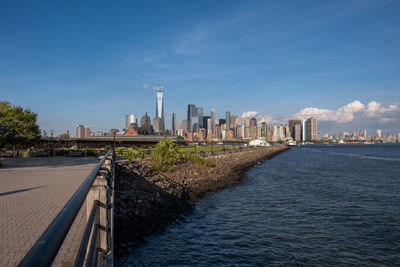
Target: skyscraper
x=297 y=132
x=145 y=124
x=87 y=131
x=174 y=123
x=228 y=120
x=209 y=127
x=157 y=124
x=263 y=129
x=182 y=127
x=312 y=129
x=160 y=107
x=253 y=128
x=212 y=115
x=130 y=119
x=200 y=117
x=205 y=124
x=80 y=131
x=234 y=121
x=379 y=133
x=191 y=113
x=243 y=129
x=296 y=135
x=253 y=122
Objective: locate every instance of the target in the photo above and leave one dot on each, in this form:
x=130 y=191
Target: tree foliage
x=64 y=135
x=18 y=125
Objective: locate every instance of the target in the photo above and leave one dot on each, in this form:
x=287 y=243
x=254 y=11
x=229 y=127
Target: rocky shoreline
x=146 y=202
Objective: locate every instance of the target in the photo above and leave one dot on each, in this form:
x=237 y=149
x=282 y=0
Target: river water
x=311 y=205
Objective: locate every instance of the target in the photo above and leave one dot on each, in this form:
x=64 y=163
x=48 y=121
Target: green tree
x=64 y=135
x=18 y=125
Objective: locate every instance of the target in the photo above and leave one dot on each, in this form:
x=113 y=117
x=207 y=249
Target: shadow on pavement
x=21 y=190
x=9 y=163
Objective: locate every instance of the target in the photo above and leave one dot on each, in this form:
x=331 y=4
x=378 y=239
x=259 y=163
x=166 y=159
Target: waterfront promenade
x=32 y=193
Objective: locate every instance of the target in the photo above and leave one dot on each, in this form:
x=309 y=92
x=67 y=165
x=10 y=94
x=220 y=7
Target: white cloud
x=249 y=114
x=385 y=120
x=267 y=119
x=352 y=107
x=375 y=110
x=146 y=85
x=347 y=113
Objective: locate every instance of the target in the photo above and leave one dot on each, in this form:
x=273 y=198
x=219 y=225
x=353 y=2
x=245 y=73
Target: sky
x=93 y=62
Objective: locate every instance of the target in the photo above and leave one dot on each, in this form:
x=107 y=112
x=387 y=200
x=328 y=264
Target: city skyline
x=344 y=115
x=336 y=61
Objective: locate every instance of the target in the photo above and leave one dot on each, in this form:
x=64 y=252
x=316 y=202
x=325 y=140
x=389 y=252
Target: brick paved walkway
x=32 y=193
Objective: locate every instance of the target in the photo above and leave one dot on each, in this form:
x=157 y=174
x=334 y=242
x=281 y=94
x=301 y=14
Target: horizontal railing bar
x=80 y=258
x=46 y=248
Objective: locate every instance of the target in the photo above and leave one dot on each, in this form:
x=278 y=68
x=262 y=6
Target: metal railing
x=96 y=247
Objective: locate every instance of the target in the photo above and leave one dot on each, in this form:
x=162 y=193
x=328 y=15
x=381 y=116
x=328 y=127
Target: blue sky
x=85 y=62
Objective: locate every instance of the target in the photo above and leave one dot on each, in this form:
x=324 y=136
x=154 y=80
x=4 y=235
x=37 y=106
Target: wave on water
x=364 y=156
x=355 y=155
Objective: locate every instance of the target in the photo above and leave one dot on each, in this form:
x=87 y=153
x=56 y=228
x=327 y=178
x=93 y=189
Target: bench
x=75 y=154
x=8 y=154
x=40 y=154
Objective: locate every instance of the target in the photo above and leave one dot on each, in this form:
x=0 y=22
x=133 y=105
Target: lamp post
x=2 y=129
x=114 y=132
x=51 y=143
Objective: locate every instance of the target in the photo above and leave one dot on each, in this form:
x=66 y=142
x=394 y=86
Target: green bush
x=121 y=151
x=200 y=160
x=132 y=153
x=27 y=153
x=167 y=153
x=89 y=152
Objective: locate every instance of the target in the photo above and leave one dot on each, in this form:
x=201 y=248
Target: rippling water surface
x=313 y=205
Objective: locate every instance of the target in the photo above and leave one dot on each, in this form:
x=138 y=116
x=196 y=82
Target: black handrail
x=46 y=248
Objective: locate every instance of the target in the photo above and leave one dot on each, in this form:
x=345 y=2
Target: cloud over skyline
x=348 y=112
x=249 y=114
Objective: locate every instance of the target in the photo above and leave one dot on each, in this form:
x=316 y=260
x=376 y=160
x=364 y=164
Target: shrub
x=166 y=154
x=121 y=151
x=200 y=160
x=90 y=152
x=132 y=153
x=27 y=153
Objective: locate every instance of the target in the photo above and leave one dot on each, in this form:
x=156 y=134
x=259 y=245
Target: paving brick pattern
x=32 y=193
